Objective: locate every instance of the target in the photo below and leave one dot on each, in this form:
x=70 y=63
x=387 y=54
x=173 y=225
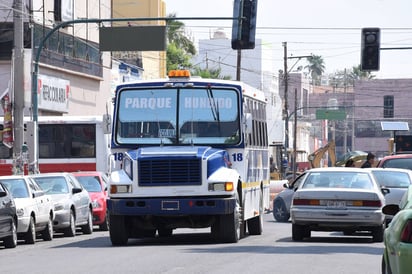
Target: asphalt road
x=192 y=251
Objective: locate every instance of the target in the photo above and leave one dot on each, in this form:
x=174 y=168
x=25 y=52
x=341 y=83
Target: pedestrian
x=350 y=163
x=273 y=166
x=370 y=158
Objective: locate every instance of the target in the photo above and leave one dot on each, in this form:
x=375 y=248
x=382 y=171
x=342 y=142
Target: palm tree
x=349 y=76
x=175 y=34
x=316 y=68
x=358 y=74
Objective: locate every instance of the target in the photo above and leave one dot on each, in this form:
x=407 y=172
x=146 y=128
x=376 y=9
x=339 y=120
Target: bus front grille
x=169 y=172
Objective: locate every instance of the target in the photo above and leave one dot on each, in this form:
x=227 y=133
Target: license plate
x=170 y=205
x=335 y=204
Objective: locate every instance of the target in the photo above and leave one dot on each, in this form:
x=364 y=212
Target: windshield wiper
x=213 y=106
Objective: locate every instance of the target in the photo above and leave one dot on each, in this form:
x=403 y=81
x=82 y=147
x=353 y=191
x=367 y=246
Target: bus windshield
x=178 y=116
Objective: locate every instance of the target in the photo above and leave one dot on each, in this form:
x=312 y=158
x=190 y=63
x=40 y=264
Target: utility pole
x=239 y=64
x=295 y=136
x=18 y=88
x=285 y=107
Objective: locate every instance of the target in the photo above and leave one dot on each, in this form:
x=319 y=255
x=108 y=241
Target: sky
x=329 y=28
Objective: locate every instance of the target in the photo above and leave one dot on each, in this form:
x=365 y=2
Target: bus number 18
x=237 y=157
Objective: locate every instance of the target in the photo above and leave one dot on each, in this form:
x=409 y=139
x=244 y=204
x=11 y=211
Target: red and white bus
x=65 y=143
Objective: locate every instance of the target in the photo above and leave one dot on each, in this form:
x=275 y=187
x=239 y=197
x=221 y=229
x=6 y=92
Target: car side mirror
x=385 y=190
x=3 y=194
x=76 y=190
x=37 y=194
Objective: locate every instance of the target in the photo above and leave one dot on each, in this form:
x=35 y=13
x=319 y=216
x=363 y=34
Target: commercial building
x=73 y=75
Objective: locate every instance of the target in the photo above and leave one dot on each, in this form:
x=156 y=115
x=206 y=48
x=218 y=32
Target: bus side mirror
x=248 y=123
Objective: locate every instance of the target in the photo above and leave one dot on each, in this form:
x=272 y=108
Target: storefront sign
x=53 y=93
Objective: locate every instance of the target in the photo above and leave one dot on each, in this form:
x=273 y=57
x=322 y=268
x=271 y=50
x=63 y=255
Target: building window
x=388 y=106
x=57 y=10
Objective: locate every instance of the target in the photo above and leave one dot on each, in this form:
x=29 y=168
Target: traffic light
x=244 y=30
x=370 y=51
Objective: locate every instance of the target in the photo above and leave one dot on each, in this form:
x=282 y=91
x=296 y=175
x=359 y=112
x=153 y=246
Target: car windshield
x=17 y=187
x=392 y=179
x=337 y=179
x=52 y=185
x=90 y=183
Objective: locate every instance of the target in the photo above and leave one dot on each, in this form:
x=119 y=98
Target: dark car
x=283 y=200
x=8 y=218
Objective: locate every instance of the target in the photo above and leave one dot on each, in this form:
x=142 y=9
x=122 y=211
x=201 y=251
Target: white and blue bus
x=188 y=153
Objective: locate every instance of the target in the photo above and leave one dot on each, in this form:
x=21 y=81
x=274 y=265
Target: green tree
x=180 y=48
x=316 y=68
x=177 y=58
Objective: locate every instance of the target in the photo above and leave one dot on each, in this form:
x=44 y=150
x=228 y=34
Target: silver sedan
x=338 y=199
x=72 y=204
x=397 y=180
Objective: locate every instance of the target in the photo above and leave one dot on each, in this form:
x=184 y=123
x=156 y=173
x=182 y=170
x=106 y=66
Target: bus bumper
x=171 y=206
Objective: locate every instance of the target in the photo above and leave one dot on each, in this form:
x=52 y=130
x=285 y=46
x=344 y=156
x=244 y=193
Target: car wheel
x=105 y=225
x=11 y=241
x=306 y=233
x=215 y=229
x=377 y=233
x=70 y=231
x=88 y=227
x=349 y=232
x=30 y=236
x=280 y=212
x=119 y=234
x=298 y=232
x=165 y=232
x=47 y=233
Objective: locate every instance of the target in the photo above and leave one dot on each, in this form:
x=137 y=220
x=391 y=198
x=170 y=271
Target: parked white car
x=35 y=209
x=72 y=204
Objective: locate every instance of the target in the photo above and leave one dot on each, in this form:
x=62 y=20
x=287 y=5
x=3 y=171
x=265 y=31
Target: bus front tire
x=119 y=234
x=229 y=224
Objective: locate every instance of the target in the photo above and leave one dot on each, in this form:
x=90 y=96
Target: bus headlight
x=119 y=189
x=222 y=186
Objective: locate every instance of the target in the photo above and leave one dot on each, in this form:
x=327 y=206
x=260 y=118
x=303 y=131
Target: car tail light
x=406 y=235
x=305 y=202
x=375 y=203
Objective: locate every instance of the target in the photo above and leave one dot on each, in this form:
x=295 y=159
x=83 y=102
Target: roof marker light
x=179 y=73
